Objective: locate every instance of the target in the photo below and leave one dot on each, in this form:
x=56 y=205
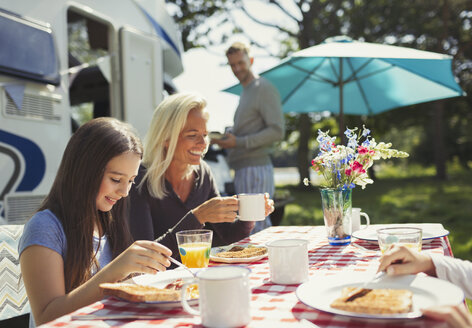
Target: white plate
x=430 y=231
x=427 y=291
x=162 y=279
x=215 y=258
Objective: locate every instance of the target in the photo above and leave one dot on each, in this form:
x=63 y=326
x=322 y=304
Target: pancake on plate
x=242 y=252
x=374 y=301
x=141 y=293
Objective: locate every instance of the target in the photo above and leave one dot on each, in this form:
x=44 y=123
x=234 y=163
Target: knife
x=361 y=291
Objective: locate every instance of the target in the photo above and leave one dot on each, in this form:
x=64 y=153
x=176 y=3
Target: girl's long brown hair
x=73 y=194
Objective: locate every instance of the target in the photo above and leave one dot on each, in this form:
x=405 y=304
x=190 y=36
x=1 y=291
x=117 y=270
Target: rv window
x=27 y=50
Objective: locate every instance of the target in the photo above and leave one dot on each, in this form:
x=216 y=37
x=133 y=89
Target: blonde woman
x=175 y=189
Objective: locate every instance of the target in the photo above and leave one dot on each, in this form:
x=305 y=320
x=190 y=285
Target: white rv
x=116 y=57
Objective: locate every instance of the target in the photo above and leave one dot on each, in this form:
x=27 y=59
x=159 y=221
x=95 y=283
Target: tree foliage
x=443 y=26
x=193 y=16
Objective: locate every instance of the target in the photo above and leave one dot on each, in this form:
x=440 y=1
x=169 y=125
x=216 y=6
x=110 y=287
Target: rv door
x=142 y=77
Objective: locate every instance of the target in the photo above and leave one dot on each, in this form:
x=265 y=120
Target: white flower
x=344 y=167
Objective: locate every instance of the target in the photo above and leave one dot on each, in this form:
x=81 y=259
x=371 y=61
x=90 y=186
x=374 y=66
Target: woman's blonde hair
x=168 y=121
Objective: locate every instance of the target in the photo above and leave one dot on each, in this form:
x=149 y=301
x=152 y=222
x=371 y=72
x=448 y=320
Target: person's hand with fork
x=403 y=260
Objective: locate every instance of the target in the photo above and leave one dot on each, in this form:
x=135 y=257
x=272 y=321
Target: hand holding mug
x=269 y=204
x=216 y=210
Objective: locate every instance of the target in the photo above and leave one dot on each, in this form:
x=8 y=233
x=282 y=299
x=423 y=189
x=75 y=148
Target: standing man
x=258 y=125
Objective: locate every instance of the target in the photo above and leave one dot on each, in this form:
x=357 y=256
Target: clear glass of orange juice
x=194 y=247
x=408 y=236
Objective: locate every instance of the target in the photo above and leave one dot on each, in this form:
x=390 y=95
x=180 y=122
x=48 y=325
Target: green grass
x=401 y=196
x=401 y=200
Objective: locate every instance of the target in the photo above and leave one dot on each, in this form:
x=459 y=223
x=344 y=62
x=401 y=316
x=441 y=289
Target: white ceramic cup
x=224 y=298
x=356 y=219
x=251 y=207
x=288 y=261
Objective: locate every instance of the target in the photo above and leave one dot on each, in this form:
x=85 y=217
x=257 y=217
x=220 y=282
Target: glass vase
x=337 y=206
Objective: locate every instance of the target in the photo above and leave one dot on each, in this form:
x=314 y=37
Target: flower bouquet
x=342 y=168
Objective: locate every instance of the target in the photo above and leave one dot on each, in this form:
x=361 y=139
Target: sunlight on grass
x=390 y=169
x=411 y=199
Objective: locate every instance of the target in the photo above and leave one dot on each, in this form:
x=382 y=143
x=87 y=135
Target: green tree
x=196 y=18
x=442 y=26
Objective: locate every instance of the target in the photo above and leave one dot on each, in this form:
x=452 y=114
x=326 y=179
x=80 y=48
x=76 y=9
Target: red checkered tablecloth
x=272 y=305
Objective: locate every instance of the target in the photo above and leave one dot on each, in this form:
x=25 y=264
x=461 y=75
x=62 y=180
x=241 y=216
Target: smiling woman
x=175 y=190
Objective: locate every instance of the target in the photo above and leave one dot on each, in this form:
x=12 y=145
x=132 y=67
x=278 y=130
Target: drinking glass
x=407 y=236
x=194 y=247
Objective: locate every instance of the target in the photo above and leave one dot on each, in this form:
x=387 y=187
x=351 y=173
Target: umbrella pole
x=341 y=104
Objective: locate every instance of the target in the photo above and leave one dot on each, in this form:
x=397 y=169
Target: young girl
x=79 y=237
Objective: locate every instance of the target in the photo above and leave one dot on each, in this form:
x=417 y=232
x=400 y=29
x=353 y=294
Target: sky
x=207 y=74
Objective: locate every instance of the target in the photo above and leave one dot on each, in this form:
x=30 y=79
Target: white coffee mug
x=251 y=207
x=224 y=296
x=356 y=219
x=288 y=261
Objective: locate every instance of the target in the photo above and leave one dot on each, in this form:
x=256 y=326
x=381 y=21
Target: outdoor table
x=271 y=305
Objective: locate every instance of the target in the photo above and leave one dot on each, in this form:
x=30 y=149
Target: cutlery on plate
x=121 y=316
x=175 y=262
x=361 y=291
x=181 y=265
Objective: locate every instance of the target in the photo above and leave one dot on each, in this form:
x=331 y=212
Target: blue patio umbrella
x=343 y=76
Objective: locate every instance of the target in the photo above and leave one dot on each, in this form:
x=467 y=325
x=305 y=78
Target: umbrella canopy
x=360 y=78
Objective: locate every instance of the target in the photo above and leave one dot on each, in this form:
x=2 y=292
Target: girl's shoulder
x=44 y=219
x=44 y=229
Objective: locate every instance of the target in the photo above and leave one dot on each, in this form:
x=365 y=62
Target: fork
x=181 y=265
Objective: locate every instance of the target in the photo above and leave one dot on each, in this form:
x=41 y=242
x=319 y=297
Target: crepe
x=141 y=293
x=241 y=252
x=375 y=301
